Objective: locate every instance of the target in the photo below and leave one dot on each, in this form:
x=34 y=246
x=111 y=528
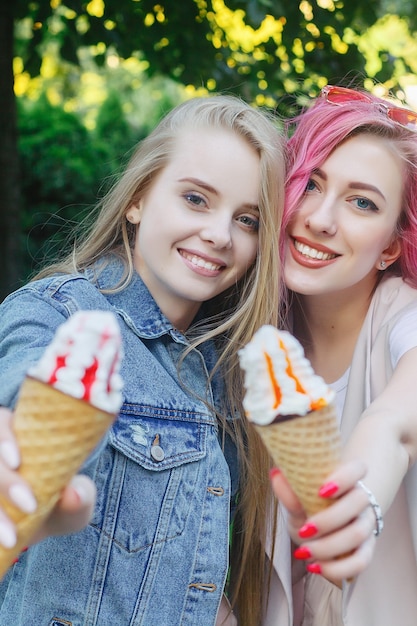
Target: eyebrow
x=353 y=184
x=210 y=189
x=199 y=183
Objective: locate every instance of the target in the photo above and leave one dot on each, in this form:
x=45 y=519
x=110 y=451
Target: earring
x=382 y=265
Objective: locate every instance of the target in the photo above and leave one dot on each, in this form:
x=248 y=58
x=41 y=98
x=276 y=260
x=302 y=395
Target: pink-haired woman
x=350 y=257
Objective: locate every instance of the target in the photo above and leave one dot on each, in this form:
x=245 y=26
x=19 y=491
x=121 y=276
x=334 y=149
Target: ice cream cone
x=55 y=433
x=306 y=449
x=292 y=409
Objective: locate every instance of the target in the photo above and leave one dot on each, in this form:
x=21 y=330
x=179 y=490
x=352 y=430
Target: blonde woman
x=184 y=251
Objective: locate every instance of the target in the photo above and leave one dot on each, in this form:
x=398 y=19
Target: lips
x=306 y=254
x=199 y=262
x=313 y=253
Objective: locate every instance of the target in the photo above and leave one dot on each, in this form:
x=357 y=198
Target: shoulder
x=392 y=322
x=393 y=289
x=29 y=318
x=392 y=298
x=66 y=293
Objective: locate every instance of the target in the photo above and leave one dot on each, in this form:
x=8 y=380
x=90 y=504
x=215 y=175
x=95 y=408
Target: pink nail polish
x=328 y=489
x=274 y=471
x=308 y=530
x=302 y=553
x=314 y=568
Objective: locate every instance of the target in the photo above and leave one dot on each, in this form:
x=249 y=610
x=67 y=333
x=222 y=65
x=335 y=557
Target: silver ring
x=376 y=509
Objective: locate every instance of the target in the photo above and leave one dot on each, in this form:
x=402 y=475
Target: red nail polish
x=308 y=530
x=329 y=489
x=16 y=560
x=302 y=553
x=314 y=568
x=274 y=471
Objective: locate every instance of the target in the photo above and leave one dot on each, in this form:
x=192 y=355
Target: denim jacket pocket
x=159 y=438
x=147 y=478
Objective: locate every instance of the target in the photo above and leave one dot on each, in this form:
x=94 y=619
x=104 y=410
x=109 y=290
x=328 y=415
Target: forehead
x=218 y=153
x=368 y=159
x=205 y=140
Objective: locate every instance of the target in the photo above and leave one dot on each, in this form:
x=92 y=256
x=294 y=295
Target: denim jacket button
x=157 y=453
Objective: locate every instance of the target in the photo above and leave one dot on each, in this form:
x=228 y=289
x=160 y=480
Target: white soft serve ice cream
x=279 y=380
x=83 y=360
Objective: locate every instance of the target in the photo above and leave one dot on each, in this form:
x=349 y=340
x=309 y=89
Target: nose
x=322 y=219
x=217 y=231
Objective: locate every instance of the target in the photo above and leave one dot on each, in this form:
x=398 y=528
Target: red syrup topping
x=89 y=378
x=90 y=372
x=60 y=362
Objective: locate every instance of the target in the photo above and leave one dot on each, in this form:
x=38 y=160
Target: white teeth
x=199 y=262
x=312 y=253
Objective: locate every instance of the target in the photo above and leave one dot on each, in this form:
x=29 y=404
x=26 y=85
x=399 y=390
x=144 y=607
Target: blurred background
x=81 y=82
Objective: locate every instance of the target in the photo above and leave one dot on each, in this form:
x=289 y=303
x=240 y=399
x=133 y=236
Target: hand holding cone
x=57 y=429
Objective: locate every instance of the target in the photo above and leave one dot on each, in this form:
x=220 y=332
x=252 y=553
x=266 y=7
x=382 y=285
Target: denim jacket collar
x=134 y=302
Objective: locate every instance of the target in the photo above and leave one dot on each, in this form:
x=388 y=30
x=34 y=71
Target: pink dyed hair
x=322 y=128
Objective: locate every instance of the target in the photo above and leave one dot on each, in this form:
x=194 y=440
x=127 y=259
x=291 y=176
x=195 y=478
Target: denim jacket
x=156 y=550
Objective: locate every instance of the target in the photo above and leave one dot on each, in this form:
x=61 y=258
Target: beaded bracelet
x=376 y=508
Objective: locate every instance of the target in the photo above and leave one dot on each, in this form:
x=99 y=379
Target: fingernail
x=308 y=530
x=10 y=454
x=329 y=489
x=79 y=487
x=302 y=553
x=23 y=498
x=274 y=471
x=7 y=535
x=314 y=568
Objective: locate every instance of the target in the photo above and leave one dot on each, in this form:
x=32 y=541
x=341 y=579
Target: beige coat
x=386 y=593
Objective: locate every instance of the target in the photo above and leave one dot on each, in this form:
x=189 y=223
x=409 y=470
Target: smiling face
x=198 y=222
x=346 y=222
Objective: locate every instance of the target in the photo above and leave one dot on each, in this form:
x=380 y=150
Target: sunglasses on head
x=343 y=95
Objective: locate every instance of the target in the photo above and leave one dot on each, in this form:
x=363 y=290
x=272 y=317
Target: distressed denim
x=156 y=550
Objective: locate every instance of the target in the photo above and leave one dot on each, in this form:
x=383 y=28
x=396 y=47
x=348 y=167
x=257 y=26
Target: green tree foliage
x=221 y=44
x=111 y=125
x=56 y=151
x=63 y=166
x=264 y=50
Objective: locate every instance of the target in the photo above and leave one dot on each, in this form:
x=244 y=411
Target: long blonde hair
x=234 y=315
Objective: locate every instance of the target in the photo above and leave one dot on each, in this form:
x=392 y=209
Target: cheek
x=379 y=241
x=253 y=251
x=246 y=257
x=298 y=217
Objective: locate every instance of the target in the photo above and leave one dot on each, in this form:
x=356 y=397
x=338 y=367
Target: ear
x=390 y=254
x=133 y=213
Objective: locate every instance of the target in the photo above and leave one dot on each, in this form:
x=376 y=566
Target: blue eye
x=195 y=200
x=311 y=185
x=365 y=205
x=251 y=222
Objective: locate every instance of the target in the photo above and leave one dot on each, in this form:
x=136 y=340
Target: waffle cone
x=55 y=433
x=306 y=449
